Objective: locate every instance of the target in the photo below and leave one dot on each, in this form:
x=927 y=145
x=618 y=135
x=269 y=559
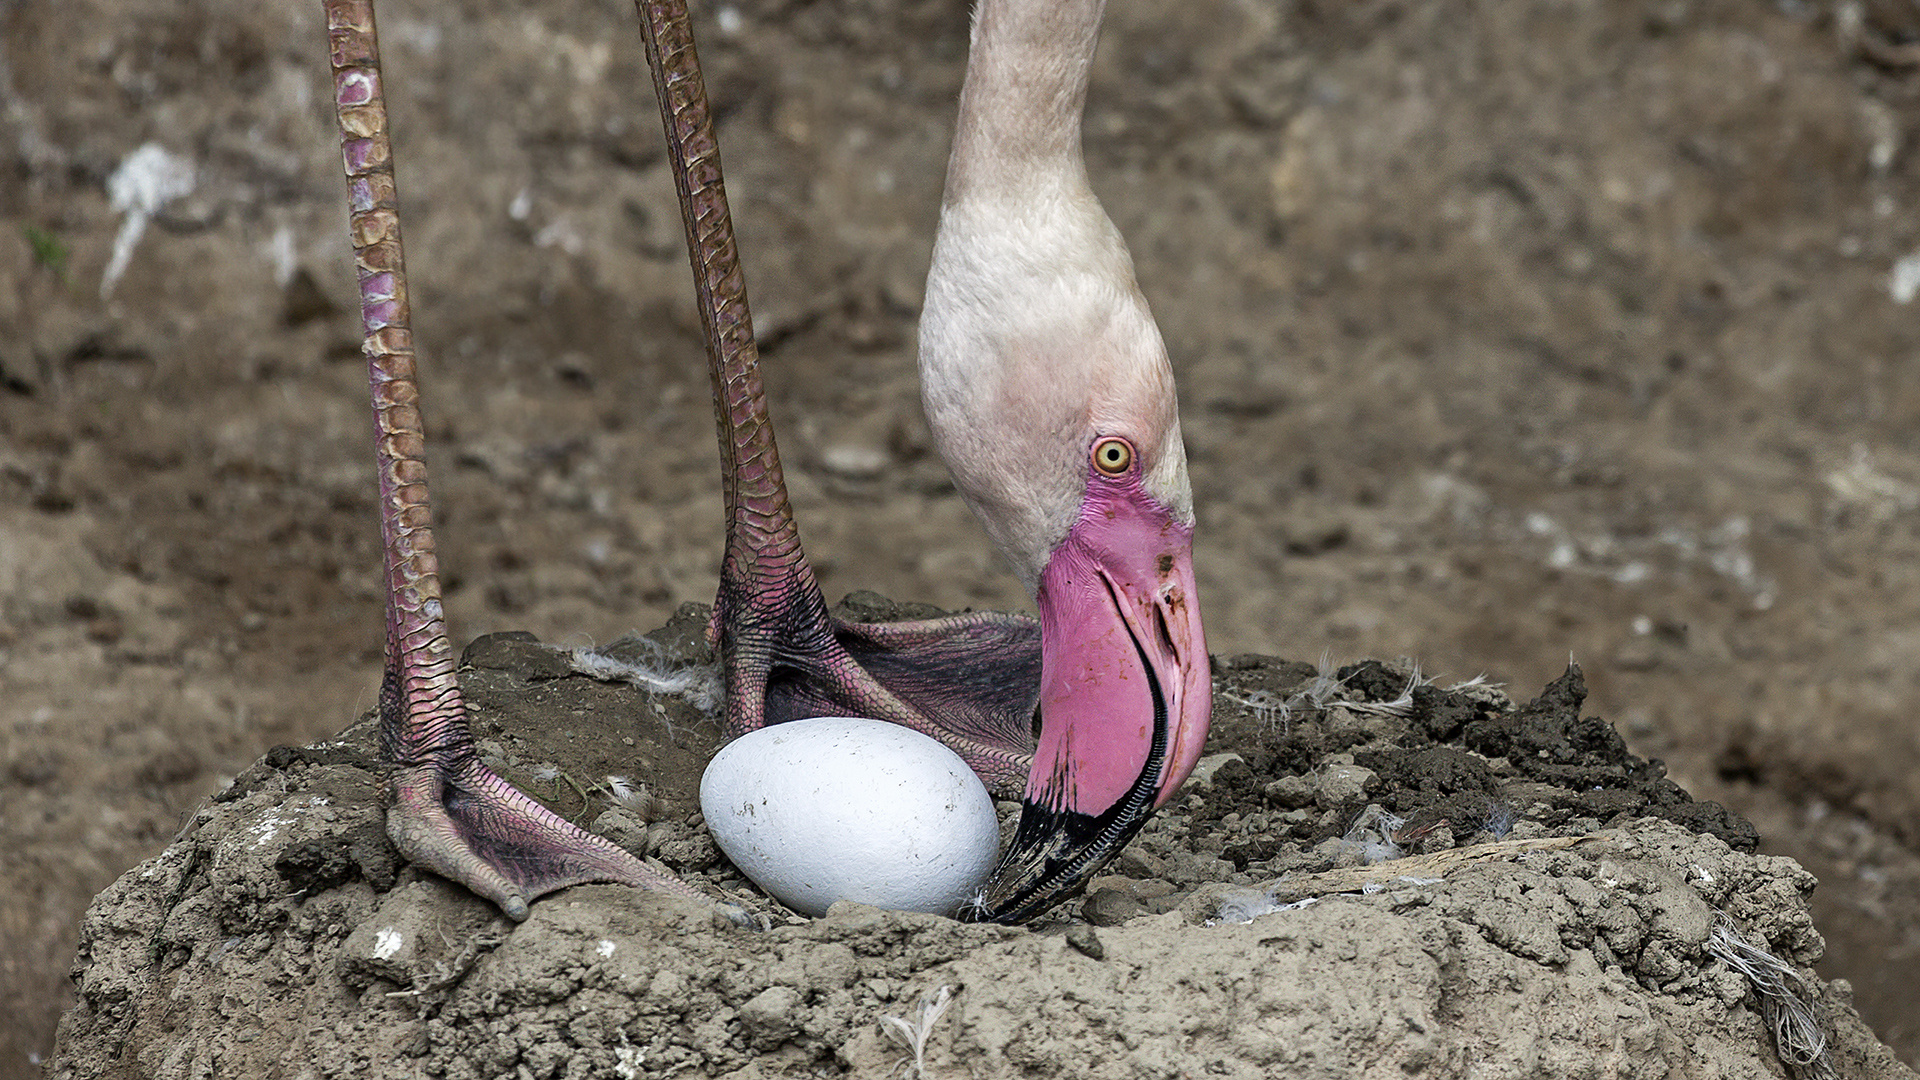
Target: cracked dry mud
x=280 y=937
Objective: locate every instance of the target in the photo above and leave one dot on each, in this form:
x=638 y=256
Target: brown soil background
x=1505 y=331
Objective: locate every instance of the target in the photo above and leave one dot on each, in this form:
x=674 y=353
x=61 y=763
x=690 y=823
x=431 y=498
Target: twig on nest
x=1419 y=867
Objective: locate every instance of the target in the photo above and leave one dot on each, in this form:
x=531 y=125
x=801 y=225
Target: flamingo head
x=1051 y=398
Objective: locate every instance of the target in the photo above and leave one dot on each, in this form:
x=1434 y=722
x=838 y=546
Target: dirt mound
x=1370 y=876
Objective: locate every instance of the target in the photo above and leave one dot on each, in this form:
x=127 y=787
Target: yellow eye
x=1113 y=456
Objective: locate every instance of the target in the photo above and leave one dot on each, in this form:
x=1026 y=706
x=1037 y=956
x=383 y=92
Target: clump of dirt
x=1369 y=869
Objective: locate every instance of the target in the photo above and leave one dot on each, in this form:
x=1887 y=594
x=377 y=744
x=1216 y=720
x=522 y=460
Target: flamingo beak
x=1125 y=697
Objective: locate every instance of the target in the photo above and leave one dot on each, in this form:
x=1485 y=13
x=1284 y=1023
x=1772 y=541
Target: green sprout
x=49 y=250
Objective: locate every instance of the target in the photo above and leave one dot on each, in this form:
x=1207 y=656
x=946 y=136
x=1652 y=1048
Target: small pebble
x=1109 y=907
x=1086 y=942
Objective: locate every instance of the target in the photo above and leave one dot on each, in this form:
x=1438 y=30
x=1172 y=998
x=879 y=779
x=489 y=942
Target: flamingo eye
x=1113 y=456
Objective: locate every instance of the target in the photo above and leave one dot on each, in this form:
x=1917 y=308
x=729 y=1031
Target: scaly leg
x=449 y=812
x=971 y=681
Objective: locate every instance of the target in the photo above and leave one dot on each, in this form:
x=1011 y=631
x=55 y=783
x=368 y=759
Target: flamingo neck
x=1026 y=86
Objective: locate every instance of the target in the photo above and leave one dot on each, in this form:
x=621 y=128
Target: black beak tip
x=1053 y=855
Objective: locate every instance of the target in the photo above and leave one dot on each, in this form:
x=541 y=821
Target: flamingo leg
x=448 y=812
x=972 y=680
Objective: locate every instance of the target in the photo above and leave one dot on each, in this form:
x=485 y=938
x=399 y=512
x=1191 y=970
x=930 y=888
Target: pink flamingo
x=1051 y=399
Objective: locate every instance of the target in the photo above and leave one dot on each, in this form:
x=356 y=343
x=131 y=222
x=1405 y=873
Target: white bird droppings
x=148 y=179
x=284 y=255
x=1904 y=282
x=627 y=1059
x=387 y=942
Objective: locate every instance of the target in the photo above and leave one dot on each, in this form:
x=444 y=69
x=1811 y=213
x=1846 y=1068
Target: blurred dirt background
x=1505 y=330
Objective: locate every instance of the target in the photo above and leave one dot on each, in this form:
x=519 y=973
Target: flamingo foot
x=970 y=681
x=452 y=815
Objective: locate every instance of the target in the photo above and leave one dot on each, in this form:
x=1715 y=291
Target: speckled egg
x=842 y=808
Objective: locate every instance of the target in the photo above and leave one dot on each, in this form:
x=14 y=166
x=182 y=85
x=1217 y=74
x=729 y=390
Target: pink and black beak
x=1125 y=693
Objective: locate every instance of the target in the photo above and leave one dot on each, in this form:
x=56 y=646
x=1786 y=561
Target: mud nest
x=1370 y=873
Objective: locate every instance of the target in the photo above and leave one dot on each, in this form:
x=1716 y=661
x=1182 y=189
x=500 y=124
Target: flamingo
x=1051 y=399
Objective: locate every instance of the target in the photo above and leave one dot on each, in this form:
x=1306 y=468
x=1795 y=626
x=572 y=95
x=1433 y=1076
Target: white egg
x=842 y=808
